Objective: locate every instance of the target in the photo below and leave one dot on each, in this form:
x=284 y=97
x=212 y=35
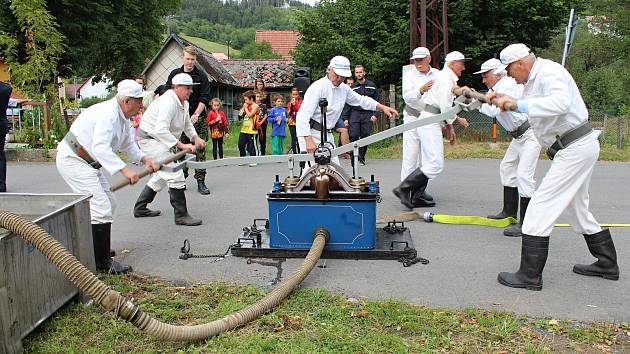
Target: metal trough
x=31 y=288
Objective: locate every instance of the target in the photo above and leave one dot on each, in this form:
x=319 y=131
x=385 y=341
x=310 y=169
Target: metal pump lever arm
x=146 y=171
x=468 y=93
x=459 y=105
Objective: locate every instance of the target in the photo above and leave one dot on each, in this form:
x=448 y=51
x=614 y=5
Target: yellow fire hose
x=464 y=220
x=124 y=308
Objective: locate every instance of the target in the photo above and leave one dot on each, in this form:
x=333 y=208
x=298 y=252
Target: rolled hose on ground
x=113 y=301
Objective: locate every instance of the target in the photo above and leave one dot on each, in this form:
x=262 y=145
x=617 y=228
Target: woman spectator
x=265 y=105
x=292 y=108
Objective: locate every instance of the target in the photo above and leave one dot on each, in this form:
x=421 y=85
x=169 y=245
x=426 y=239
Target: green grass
x=212 y=47
x=392 y=149
x=313 y=321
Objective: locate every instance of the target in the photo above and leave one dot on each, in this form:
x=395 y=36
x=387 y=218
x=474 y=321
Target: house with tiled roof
x=282 y=42
x=277 y=74
x=228 y=78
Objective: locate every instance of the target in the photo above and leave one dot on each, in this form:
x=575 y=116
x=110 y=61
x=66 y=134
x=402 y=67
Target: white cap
x=455 y=56
x=341 y=66
x=488 y=65
x=183 y=79
x=129 y=88
x=512 y=53
x=419 y=53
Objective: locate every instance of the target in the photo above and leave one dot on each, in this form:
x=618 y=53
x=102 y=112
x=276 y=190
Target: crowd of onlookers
x=259 y=110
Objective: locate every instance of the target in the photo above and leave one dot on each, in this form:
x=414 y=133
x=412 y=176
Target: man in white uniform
x=437 y=100
x=415 y=84
x=559 y=119
x=519 y=162
x=92 y=142
x=309 y=117
x=161 y=127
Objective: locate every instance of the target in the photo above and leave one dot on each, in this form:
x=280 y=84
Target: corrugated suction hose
x=113 y=301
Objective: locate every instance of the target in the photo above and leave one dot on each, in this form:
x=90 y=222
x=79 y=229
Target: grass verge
x=211 y=47
x=313 y=321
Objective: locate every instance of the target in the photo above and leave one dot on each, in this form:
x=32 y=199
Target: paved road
x=464 y=263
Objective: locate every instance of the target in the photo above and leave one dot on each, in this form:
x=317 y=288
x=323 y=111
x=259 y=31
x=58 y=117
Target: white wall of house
x=168 y=59
x=91 y=89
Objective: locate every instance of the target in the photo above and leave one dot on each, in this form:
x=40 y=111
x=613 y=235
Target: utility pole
x=428 y=24
x=569 y=35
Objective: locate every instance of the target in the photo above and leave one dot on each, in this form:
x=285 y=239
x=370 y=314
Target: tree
x=375 y=33
x=34 y=48
x=259 y=51
x=372 y=33
x=113 y=38
x=599 y=55
x=232 y=20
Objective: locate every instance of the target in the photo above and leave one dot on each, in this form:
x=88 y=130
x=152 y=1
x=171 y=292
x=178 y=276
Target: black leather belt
x=80 y=151
x=317 y=126
x=568 y=138
x=144 y=135
x=520 y=130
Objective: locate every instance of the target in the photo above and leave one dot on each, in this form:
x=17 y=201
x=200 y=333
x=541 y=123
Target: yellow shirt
x=249 y=120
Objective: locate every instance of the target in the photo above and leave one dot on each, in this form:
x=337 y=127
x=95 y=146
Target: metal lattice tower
x=428 y=24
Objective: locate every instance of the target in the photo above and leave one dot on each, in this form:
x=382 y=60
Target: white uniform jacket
x=166 y=119
x=102 y=130
x=337 y=97
x=441 y=93
x=411 y=83
x=554 y=104
x=508 y=119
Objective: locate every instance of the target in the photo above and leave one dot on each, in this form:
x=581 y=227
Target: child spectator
x=261 y=122
x=135 y=120
x=250 y=113
x=278 y=118
x=265 y=105
x=293 y=107
x=218 y=124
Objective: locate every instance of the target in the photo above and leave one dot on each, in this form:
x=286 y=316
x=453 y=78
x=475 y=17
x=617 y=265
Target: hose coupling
x=322 y=231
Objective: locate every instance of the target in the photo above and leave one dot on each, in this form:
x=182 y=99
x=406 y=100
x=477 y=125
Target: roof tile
x=282 y=42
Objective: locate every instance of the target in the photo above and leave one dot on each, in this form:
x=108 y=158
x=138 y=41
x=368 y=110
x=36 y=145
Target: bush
x=88 y=101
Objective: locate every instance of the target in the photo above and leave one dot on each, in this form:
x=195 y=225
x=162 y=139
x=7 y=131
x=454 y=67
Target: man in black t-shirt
x=198 y=101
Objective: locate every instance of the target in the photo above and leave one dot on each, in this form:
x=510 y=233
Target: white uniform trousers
x=410 y=148
x=85 y=179
x=316 y=138
x=160 y=179
x=431 y=149
x=519 y=164
x=565 y=188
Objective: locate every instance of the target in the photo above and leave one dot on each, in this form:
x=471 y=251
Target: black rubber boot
x=601 y=247
x=101 y=238
x=515 y=230
x=415 y=181
x=202 y=189
x=140 y=210
x=534 y=252
x=421 y=194
x=178 y=201
x=420 y=198
x=510 y=204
